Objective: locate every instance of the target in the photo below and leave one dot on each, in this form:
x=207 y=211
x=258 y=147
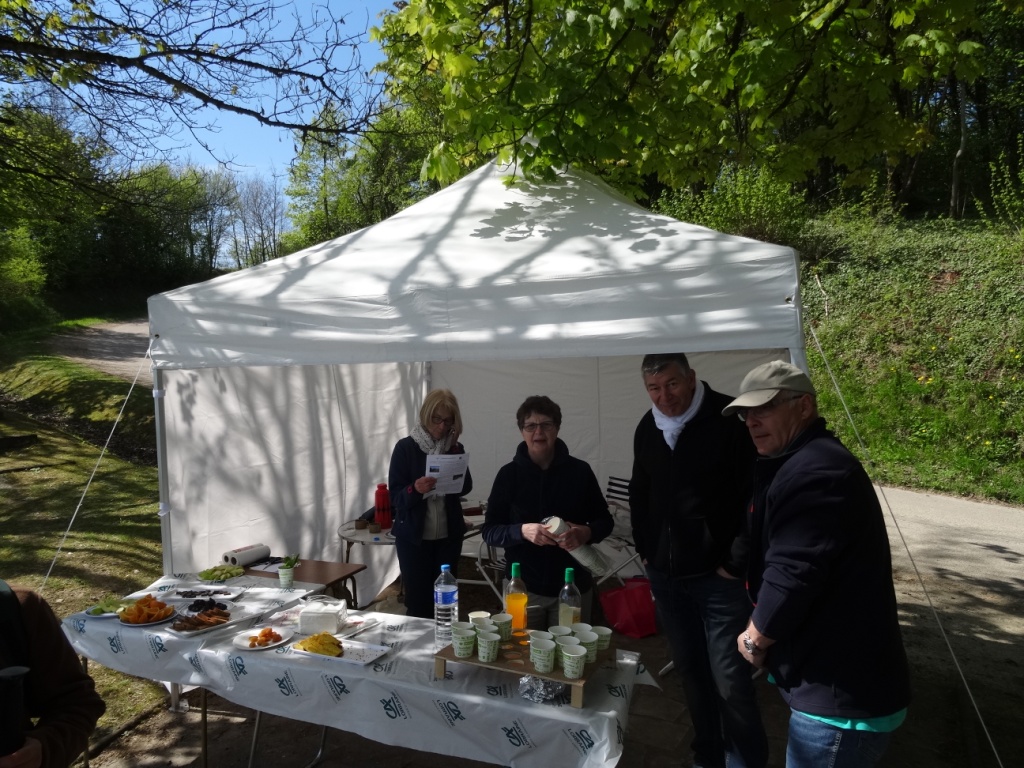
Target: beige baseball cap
x=765 y=382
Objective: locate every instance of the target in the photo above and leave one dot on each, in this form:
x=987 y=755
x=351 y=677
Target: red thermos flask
x=382 y=506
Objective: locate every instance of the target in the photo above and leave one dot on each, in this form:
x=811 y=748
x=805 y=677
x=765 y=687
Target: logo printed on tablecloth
x=79 y=625
x=618 y=691
x=286 y=684
x=517 y=735
x=449 y=711
x=196 y=662
x=156 y=645
x=563 y=699
x=581 y=739
x=395 y=708
x=335 y=686
x=500 y=691
x=116 y=646
x=236 y=667
x=620 y=732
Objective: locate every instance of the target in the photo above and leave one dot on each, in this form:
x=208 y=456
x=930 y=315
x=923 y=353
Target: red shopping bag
x=630 y=608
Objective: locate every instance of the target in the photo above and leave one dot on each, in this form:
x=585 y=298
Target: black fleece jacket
x=687 y=504
x=525 y=493
x=821 y=578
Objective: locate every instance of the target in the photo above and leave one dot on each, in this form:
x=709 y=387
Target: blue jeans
x=702 y=617
x=814 y=744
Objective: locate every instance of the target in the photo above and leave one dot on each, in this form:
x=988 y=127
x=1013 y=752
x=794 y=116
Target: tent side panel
x=282 y=456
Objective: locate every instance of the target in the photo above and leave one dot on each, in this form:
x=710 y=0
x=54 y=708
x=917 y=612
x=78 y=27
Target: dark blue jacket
x=409 y=464
x=525 y=493
x=821 y=581
x=687 y=504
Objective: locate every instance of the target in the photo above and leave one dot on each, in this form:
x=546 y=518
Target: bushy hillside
x=922 y=325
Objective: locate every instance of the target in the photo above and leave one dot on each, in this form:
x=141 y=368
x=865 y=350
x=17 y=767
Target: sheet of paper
x=450 y=471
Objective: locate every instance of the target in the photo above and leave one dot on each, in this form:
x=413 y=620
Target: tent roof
x=484 y=270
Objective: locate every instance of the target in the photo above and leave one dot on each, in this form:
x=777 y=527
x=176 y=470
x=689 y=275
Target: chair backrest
x=617 y=492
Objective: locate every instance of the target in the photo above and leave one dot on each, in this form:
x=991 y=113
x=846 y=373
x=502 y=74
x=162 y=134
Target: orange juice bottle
x=515 y=599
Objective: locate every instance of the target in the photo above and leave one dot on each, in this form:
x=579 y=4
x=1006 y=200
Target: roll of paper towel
x=246 y=555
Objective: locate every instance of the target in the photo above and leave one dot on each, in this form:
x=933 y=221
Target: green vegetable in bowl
x=109 y=605
x=221 y=572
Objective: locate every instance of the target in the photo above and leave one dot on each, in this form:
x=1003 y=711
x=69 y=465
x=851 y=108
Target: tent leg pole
x=161 y=468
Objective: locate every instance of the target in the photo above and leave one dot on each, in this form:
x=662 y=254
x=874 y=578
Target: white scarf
x=435 y=526
x=672 y=426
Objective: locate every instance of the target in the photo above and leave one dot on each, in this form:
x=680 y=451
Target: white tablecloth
x=473 y=712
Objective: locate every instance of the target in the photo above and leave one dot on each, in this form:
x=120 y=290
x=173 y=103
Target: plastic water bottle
x=446 y=607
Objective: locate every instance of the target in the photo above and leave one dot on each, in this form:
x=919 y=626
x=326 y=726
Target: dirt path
x=115 y=348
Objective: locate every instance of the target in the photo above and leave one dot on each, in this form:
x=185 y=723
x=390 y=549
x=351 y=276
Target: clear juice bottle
x=570 y=602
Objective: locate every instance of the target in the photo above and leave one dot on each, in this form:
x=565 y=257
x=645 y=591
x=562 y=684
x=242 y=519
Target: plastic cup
x=580 y=627
x=589 y=641
x=286 y=576
x=503 y=621
x=559 y=631
x=487 y=644
x=561 y=642
x=479 y=615
x=540 y=634
x=604 y=637
x=574 y=658
x=481 y=621
x=542 y=654
x=464 y=625
x=463 y=641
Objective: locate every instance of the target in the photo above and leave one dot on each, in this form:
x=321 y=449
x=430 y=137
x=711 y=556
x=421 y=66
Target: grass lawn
x=113 y=547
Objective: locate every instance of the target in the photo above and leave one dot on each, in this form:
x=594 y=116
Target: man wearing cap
x=820 y=576
x=687 y=498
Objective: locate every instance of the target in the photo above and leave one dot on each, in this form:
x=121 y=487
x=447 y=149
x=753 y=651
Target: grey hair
x=654 y=364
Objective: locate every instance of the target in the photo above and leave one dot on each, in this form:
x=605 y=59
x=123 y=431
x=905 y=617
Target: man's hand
x=753 y=646
x=29 y=756
x=576 y=536
x=538 y=534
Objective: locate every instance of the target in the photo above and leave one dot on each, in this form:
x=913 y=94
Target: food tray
x=355 y=652
x=164 y=620
x=238 y=615
x=241 y=640
x=203 y=592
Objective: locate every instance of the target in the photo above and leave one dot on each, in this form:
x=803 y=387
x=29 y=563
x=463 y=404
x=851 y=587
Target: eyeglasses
x=763 y=410
x=532 y=427
x=437 y=421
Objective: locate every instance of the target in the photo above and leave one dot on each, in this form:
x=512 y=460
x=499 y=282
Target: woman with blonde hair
x=428 y=530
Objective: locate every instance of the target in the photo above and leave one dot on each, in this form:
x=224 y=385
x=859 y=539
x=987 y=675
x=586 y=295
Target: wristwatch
x=751 y=646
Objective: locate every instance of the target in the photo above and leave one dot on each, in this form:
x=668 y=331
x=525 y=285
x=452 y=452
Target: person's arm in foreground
x=59 y=693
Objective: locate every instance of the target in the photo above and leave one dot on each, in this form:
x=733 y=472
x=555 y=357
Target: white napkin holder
x=322 y=614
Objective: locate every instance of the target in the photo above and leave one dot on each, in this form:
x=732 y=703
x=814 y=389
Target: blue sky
x=256 y=148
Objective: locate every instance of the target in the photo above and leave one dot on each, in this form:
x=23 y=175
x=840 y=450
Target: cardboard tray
x=521 y=667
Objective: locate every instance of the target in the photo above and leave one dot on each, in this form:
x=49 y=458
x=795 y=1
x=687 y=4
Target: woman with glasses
x=428 y=529
x=542 y=481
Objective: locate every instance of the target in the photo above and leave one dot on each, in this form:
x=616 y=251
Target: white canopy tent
x=282 y=389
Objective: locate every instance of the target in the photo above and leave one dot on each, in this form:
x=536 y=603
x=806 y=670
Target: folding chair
x=490 y=561
x=617 y=495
